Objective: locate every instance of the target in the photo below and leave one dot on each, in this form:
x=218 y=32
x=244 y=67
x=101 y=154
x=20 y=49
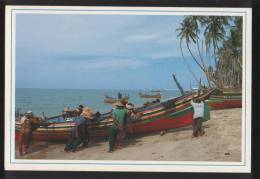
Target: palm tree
x=230 y=57
x=214 y=32
x=186 y=32
x=189 y=30
x=226 y=47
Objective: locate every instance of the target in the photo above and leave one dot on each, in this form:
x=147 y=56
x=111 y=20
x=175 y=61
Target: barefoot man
x=198 y=116
x=119 y=119
x=29 y=123
x=79 y=133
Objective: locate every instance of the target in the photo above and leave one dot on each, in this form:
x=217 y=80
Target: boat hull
x=225 y=102
x=174 y=113
x=157 y=96
x=154 y=118
x=113 y=100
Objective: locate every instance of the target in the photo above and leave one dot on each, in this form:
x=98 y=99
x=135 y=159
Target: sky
x=100 y=52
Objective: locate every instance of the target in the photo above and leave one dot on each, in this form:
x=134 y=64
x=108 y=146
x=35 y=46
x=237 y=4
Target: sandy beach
x=221 y=142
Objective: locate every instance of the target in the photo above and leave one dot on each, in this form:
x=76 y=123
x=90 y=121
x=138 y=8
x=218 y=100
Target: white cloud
x=107 y=64
x=142 y=37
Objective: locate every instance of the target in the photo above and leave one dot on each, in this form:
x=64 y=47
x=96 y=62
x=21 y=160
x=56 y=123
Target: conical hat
x=87 y=113
x=66 y=109
x=129 y=106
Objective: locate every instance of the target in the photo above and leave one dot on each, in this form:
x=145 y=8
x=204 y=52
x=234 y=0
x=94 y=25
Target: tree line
x=215 y=45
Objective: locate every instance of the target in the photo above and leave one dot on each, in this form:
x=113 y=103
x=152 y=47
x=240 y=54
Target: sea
x=51 y=102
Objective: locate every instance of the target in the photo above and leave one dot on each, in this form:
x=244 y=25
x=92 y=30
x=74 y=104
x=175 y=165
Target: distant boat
x=158 y=91
x=111 y=100
x=143 y=95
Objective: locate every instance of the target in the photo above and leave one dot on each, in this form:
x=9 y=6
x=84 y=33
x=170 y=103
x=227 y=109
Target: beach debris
x=227 y=153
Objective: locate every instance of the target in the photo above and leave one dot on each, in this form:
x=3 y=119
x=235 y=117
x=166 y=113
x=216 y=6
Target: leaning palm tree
x=188 y=31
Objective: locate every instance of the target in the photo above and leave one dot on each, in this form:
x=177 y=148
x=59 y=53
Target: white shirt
x=198 y=109
x=23 y=119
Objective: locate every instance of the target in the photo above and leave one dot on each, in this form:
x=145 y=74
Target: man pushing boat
x=198 y=117
x=79 y=134
x=119 y=115
x=29 y=123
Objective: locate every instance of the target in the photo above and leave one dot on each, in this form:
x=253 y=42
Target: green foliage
x=222 y=36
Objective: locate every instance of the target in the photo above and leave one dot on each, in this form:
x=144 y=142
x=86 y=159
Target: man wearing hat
x=131 y=116
x=79 y=110
x=29 y=123
x=119 y=119
x=127 y=130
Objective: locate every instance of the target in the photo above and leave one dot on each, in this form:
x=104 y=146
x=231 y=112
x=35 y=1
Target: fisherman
x=29 y=123
x=119 y=95
x=127 y=128
x=119 y=120
x=79 y=110
x=79 y=134
x=131 y=116
x=198 y=116
x=66 y=112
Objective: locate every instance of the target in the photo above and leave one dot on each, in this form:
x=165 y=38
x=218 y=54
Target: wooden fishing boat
x=157 y=95
x=173 y=113
x=225 y=100
x=111 y=100
x=158 y=91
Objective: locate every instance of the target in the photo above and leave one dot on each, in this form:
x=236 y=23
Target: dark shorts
x=197 y=126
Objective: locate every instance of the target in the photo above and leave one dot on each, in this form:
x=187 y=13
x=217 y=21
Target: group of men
x=123 y=114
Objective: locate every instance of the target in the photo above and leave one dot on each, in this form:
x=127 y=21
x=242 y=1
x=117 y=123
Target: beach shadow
x=131 y=140
x=35 y=150
x=36 y=147
x=92 y=143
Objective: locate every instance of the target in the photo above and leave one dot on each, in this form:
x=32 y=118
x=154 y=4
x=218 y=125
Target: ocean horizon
x=51 y=102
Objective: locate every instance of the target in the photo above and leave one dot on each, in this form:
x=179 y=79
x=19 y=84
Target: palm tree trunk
x=194 y=58
x=194 y=76
x=203 y=64
x=201 y=67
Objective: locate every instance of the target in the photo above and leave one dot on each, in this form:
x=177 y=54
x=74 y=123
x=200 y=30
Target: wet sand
x=221 y=142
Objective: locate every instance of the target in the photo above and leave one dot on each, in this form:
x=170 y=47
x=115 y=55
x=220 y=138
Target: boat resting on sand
x=226 y=100
x=173 y=113
x=157 y=95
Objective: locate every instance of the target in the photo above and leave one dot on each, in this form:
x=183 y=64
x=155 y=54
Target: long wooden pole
x=178 y=85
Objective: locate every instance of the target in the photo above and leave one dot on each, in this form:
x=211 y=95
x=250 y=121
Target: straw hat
x=66 y=109
x=87 y=113
x=129 y=106
x=29 y=113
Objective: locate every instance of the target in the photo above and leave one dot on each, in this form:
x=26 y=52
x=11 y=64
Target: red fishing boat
x=225 y=100
x=173 y=113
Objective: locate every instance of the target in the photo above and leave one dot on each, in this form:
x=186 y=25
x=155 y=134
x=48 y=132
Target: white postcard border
x=99 y=165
